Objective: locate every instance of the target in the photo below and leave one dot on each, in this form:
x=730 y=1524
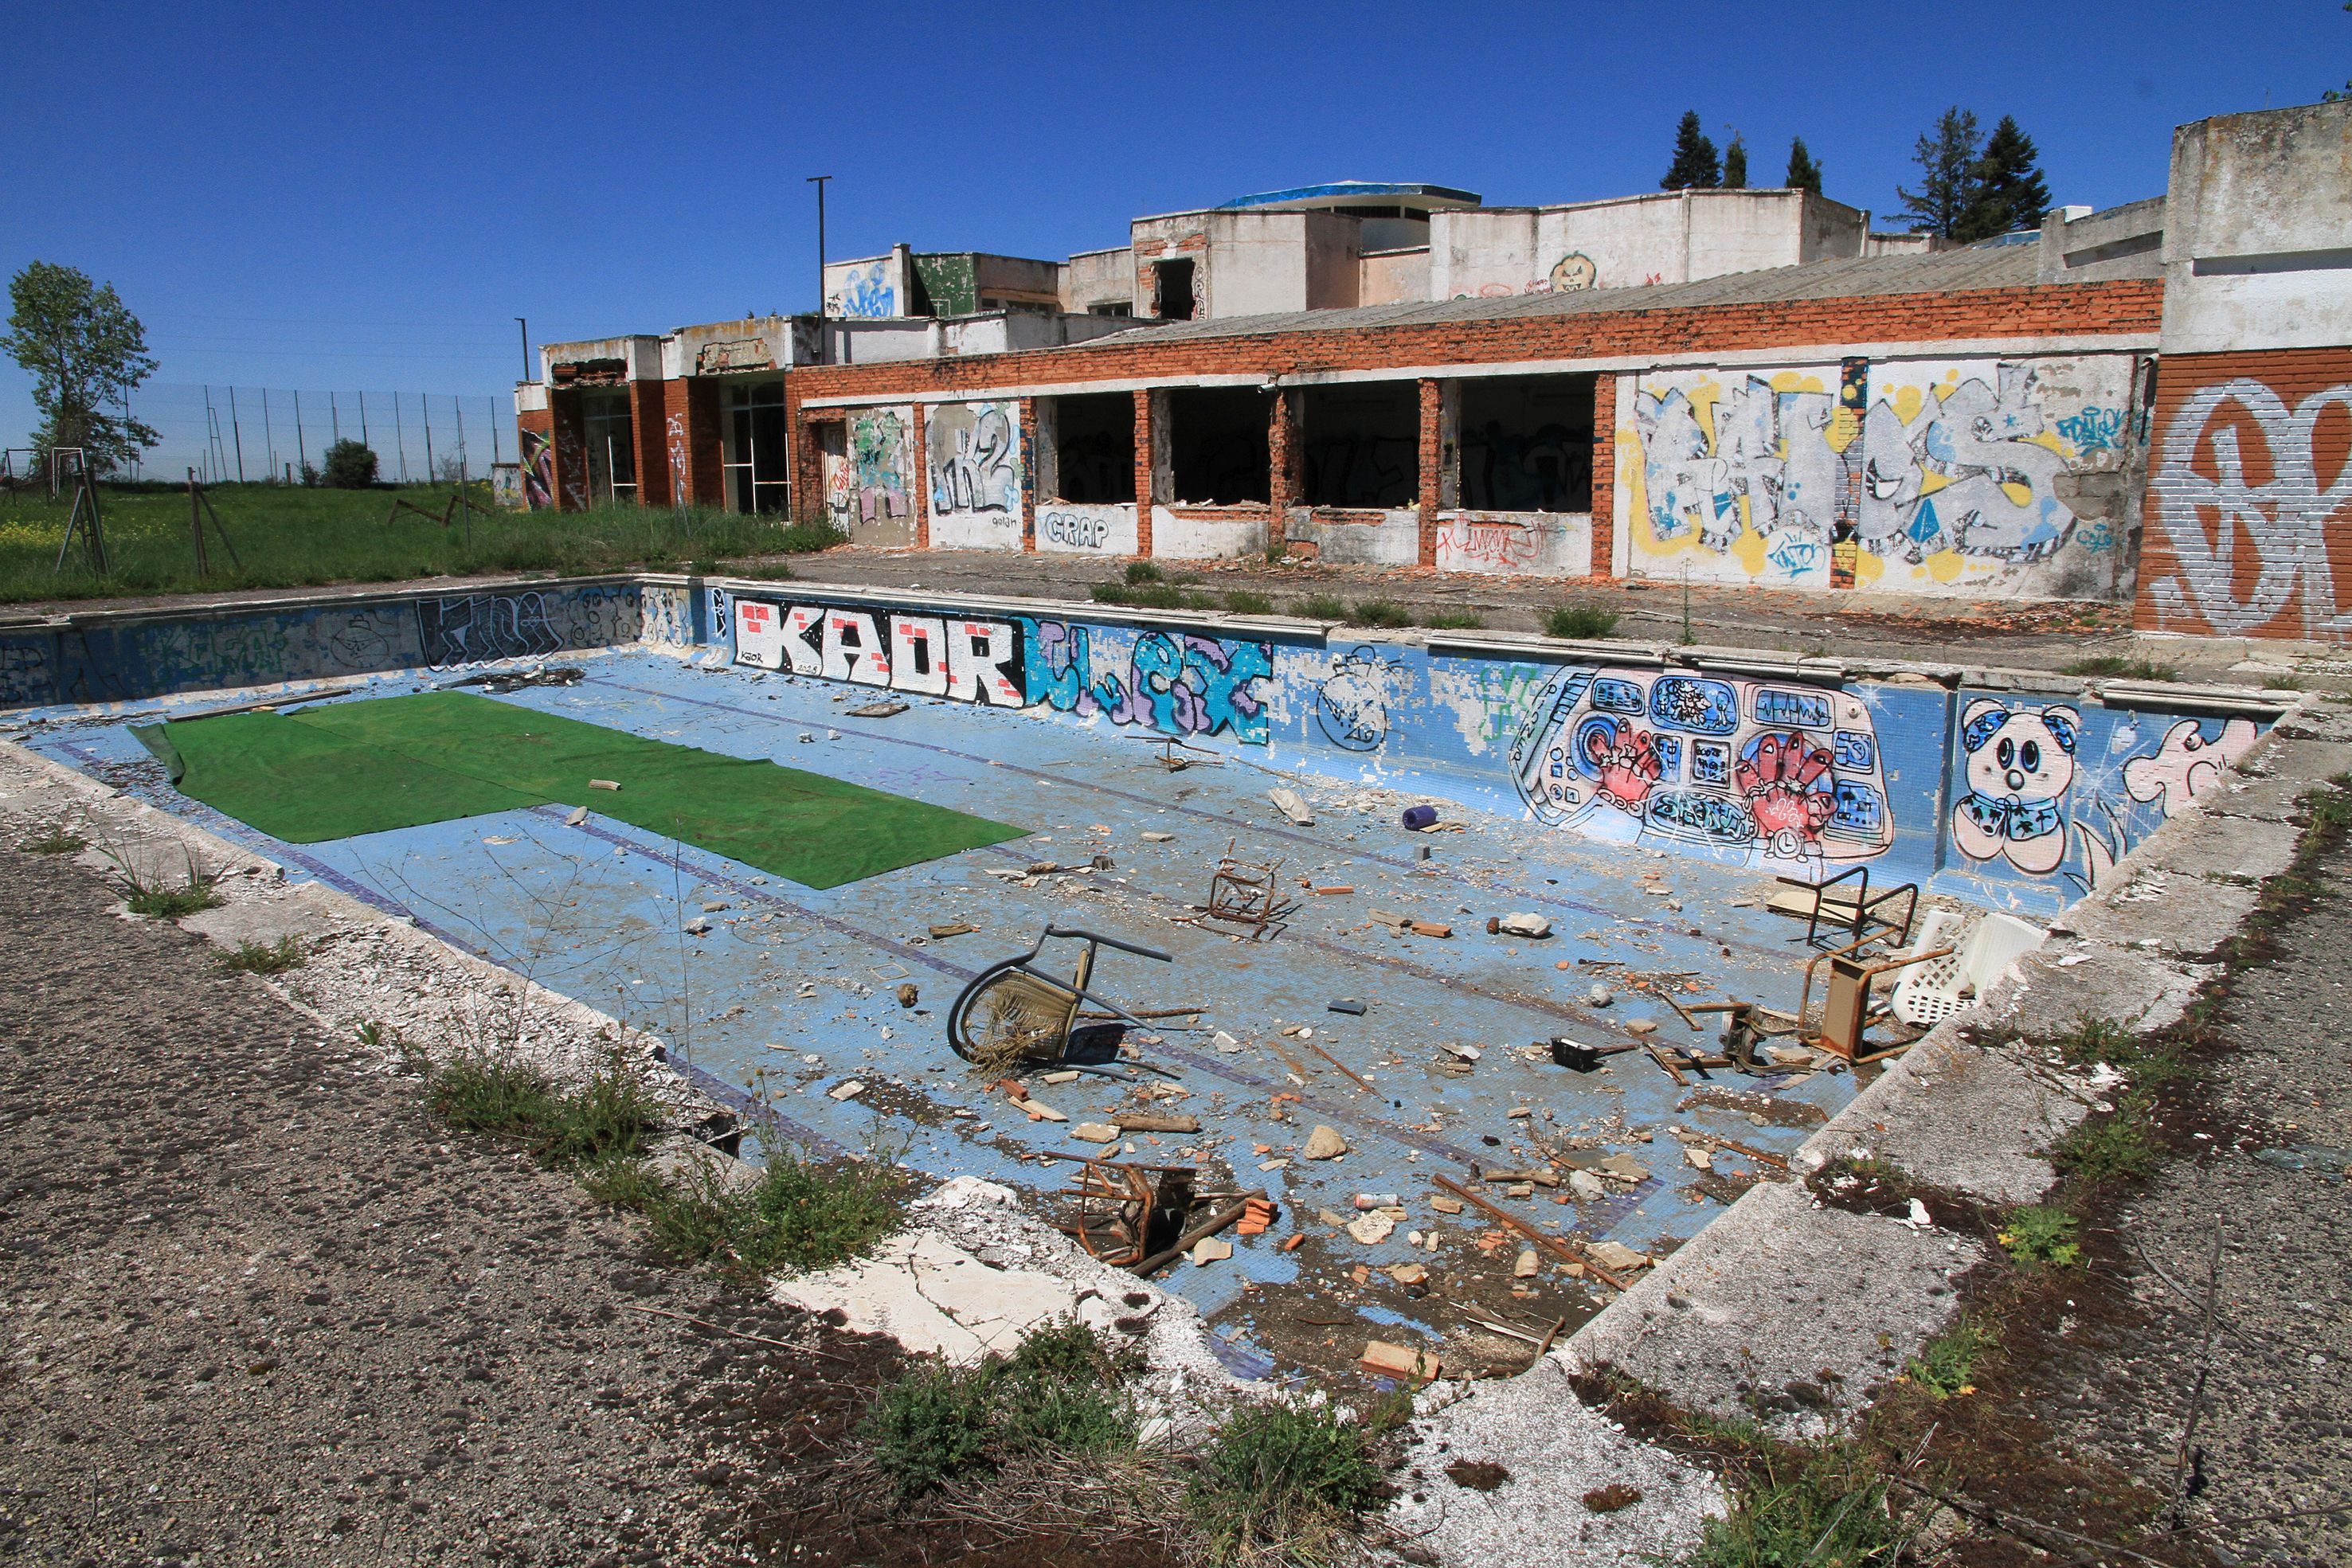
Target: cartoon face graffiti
x=2021 y=763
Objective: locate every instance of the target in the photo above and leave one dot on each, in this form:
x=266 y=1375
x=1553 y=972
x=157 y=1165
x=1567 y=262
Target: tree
x=350 y=465
x=1947 y=157
x=84 y=354
x=1804 y=174
x=1735 y=164
x=2339 y=94
x=1695 y=166
x=2010 y=193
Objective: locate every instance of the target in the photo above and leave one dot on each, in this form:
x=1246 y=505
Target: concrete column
x=1282 y=456
x=1144 y=486
x=1432 y=408
x=919 y=457
x=1604 y=475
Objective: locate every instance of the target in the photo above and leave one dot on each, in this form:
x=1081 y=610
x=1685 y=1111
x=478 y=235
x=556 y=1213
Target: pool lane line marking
x=1287 y=835
x=227 y=827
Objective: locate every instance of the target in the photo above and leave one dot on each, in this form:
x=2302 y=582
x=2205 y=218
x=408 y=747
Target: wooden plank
x=1550 y=1243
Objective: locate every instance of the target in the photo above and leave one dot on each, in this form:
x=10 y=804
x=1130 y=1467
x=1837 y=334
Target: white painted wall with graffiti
x=2008 y=477
x=975 y=469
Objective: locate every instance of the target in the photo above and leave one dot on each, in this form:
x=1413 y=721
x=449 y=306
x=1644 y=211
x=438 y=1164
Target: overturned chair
x=1014 y=1014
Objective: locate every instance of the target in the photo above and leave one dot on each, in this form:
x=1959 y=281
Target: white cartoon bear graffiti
x=2021 y=763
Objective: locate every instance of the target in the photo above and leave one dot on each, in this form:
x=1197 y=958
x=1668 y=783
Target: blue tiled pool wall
x=2004 y=798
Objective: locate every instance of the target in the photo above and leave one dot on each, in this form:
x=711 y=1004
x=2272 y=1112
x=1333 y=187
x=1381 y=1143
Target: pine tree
x=2010 y=192
x=1804 y=174
x=1734 y=165
x=1949 y=158
x=1695 y=166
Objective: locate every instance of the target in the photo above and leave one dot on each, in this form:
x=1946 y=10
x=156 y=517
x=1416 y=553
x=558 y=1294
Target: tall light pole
x=824 y=350
x=526 y=349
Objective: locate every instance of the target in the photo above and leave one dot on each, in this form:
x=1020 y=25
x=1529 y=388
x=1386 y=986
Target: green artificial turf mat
x=343 y=768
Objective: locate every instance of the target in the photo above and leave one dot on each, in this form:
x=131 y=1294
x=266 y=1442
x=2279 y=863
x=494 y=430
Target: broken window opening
x=612 y=459
x=754 y=449
x=1171 y=290
x=1526 y=444
x=1217 y=452
x=1093 y=447
x=1360 y=445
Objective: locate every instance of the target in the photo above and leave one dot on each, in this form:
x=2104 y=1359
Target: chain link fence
x=258 y=434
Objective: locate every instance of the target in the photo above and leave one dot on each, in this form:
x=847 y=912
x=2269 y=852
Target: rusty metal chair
x=1243 y=892
x=1846 y=1013
x=1014 y=1014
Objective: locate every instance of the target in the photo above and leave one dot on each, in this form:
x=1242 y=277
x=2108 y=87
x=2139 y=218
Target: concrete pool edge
x=1779 y=1287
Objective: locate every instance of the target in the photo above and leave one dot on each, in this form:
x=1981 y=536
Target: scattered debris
x=1398 y=1360
x=1324 y=1144
x=909 y=995
x=579 y=815
x=698 y=926
x=1534 y=927
x=1417 y=818
x=1616 y=1255
x=1579 y=1058
x=1524 y=1269
x=1372 y=1228
x=1141 y=1121
x=1242 y=892
x=1609 y=1499
x=1407 y=1273
x=1286 y=801
x=1446 y=1204
x=1599 y=996
x=850 y=1090
x=1095 y=1132
x=603 y=784
x=1154 y=837
x=1225 y=1042
x=1465 y=1052
x=1209 y=1250
x=1347 y=1004
x=890 y=709
x=954 y=929
x=1476 y=1474
x=1257 y=1216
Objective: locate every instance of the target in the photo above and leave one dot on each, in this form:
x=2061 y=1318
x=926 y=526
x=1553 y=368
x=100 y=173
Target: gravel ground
x=2276 y=1406
x=253 y=1307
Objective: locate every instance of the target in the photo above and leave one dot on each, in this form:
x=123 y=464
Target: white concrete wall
x=1091 y=528
x=1673 y=236
x=1358 y=538
x=973 y=464
x=1187 y=534
x=1095 y=278
x=1516 y=544
x=2258 y=231
x=1391 y=277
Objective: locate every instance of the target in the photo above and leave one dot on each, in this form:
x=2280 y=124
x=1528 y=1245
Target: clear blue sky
x=324 y=197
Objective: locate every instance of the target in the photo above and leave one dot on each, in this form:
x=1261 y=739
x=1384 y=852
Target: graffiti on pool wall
x=878 y=453
x=1800 y=475
x=1781 y=773
x=969 y=660
x=1173 y=683
x=2212 y=506
x=1166 y=682
x=2034 y=790
x=464 y=628
x=1351 y=703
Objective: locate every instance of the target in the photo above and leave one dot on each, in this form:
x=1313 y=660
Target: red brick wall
x=1029 y=476
x=919 y=457
x=1143 y=472
x=1604 y=475
x=706 y=468
x=1282 y=458
x=647 y=405
x=2248 y=527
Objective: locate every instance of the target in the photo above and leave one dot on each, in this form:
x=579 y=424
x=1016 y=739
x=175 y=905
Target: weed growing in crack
x=151 y=895
x=2116 y=666
x=2039 y=1235
x=1454 y=621
x=1946 y=1365
x=56 y=841
x=250 y=957
x=1246 y=602
x=1059 y=1394
x=1278 y=1481
x=794 y=1215
x=1320 y=607
x=1382 y=612
x=611 y=1116
x=1817 y=1503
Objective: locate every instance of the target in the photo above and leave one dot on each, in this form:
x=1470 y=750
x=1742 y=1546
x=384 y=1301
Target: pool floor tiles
x=791 y=991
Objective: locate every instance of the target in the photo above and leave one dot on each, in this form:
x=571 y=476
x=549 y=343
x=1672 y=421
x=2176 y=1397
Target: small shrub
x=266 y=957
x=1279 y=1476
x=2104 y=1149
x=1109 y=594
x=351 y=466
x=701 y=568
x=1058 y=1395
x=1947 y=1364
x=611 y=1116
x=1581 y=621
x=2034 y=1234
x=807 y=538
x=56 y=841
x=1320 y=607
x=1455 y=620
x=1242 y=602
x=808 y=1216
x=1142 y=571
x=159 y=899
x=482 y=1091
x=1385 y=612
x=2094 y=1040
x=2116 y=666
x=1825 y=1504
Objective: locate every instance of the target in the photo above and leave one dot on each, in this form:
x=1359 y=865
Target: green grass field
x=291 y=537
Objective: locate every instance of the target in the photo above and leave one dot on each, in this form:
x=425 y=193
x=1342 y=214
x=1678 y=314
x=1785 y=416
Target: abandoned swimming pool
x=1643 y=805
